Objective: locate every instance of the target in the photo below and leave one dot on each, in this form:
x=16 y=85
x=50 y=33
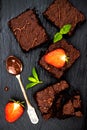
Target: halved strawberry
x=57 y=58
x=13 y=111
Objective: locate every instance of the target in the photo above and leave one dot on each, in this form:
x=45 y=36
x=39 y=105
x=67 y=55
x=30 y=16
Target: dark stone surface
x=76 y=76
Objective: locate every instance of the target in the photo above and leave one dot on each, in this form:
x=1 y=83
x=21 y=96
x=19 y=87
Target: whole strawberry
x=13 y=110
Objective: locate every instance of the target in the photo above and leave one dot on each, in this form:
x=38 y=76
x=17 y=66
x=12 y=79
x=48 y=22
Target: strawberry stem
x=67 y=59
x=20 y=103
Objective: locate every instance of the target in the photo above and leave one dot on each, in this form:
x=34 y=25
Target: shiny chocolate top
x=13 y=65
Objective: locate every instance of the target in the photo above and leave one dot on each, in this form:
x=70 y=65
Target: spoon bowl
x=14 y=65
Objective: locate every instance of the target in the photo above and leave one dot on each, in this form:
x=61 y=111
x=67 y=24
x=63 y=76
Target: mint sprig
x=59 y=35
x=34 y=79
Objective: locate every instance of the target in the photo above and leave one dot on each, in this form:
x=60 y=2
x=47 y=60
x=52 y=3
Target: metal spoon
x=14 y=66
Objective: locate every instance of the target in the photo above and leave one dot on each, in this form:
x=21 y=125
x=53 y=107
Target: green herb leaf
x=33 y=80
x=65 y=29
x=57 y=37
x=34 y=73
x=30 y=85
x=67 y=59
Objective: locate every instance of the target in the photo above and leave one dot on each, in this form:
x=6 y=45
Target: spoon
x=14 y=66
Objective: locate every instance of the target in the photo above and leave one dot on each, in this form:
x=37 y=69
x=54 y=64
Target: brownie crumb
x=68 y=108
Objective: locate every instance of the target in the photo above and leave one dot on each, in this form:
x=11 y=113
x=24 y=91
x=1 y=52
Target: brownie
x=28 y=30
x=53 y=102
x=56 y=107
x=70 y=51
x=62 y=12
x=46 y=98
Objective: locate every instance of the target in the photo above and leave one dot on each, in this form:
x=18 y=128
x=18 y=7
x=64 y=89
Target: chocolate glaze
x=13 y=65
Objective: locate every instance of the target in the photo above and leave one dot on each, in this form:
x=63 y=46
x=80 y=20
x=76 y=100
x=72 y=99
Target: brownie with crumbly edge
x=28 y=30
x=53 y=102
x=70 y=51
x=46 y=98
x=62 y=12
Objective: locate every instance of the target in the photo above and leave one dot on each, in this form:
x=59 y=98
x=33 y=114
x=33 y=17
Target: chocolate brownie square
x=53 y=111
x=46 y=98
x=62 y=12
x=70 y=51
x=27 y=29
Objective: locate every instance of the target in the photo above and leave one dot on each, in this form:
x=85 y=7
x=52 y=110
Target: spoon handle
x=30 y=110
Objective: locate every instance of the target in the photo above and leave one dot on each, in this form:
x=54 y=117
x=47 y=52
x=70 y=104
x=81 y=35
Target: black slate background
x=76 y=76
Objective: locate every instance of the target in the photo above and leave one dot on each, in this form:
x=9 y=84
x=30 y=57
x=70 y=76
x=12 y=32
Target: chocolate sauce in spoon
x=14 y=66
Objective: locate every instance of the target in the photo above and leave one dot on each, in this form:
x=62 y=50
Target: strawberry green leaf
x=30 y=85
x=67 y=59
x=57 y=37
x=65 y=29
x=32 y=79
x=34 y=73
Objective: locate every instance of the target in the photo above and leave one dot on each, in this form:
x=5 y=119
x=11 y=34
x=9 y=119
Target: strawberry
x=57 y=58
x=13 y=111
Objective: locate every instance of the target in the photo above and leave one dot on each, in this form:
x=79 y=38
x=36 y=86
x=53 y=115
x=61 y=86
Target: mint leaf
x=57 y=37
x=30 y=85
x=34 y=73
x=65 y=29
x=32 y=79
